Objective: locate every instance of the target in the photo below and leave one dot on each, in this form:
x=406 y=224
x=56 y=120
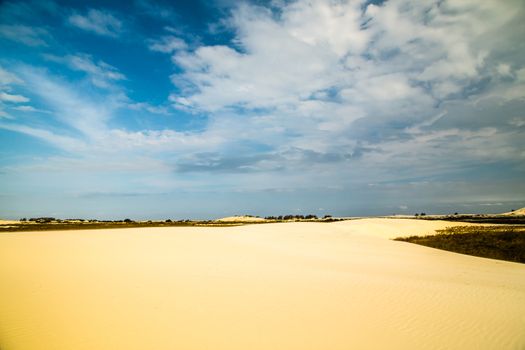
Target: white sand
x=277 y=286
x=241 y=218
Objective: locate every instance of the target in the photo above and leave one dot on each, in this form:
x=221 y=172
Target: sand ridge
x=342 y=285
x=517 y=212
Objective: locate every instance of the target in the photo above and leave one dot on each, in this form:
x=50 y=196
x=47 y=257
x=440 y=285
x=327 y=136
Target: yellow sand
x=9 y=222
x=276 y=286
x=517 y=212
x=242 y=218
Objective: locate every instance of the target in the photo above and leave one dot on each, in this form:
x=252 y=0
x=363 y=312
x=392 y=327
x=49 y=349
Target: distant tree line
x=48 y=219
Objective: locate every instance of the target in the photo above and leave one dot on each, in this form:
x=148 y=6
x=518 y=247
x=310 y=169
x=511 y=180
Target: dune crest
x=517 y=212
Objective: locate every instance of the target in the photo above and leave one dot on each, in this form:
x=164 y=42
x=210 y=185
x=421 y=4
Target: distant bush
x=42 y=220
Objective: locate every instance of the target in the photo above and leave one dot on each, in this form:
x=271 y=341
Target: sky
x=202 y=109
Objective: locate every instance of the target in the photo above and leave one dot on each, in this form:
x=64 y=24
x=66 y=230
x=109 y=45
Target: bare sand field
x=9 y=222
x=342 y=285
x=241 y=218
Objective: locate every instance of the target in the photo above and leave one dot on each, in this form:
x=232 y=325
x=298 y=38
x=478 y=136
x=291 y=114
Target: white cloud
x=387 y=87
x=97 y=21
x=100 y=73
x=25 y=108
x=4 y=96
x=167 y=44
x=142 y=106
x=84 y=63
x=30 y=36
x=324 y=76
x=518 y=122
x=7 y=78
x=4 y=114
x=28 y=109
x=60 y=141
x=335 y=26
x=399 y=51
x=504 y=70
x=73 y=110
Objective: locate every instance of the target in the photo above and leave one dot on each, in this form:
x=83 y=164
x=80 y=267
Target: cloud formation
x=167 y=44
x=100 y=73
x=30 y=36
x=97 y=21
x=331 y=76
x=4 y=96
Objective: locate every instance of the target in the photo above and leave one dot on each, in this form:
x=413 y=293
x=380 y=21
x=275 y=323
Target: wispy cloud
x=4 y=96
x=90 y=116
x=62 y=142
x=142 y=106
x=73 y=110
x=30 y=36
x=4 y=114
x=100 y=73
x=155 y=9
x=7 y=78
x=167 y=44
x=28 y=109
x=97 y=21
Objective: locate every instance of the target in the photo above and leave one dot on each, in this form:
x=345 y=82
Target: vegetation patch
x=478 y=219
x=505 y=242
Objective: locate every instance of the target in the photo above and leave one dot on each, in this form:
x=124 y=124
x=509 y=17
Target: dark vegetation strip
x=51 y=224
x=60 y=226
x=479 y=219
x=495 y=242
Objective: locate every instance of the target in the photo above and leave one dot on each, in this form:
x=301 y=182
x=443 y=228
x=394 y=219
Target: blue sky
x=203 y=109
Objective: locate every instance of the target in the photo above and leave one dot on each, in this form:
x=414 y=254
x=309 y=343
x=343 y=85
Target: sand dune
x=288 y=286
x=9 y=222
x=517 y=212
x=241 y=218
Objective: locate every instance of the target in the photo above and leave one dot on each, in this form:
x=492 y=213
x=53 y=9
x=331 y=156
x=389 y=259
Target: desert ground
x=342 y=285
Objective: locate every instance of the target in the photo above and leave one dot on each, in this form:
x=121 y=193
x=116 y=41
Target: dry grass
x=503 y=242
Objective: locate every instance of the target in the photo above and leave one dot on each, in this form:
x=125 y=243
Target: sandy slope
x=276 y=286
x=516 y=212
